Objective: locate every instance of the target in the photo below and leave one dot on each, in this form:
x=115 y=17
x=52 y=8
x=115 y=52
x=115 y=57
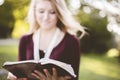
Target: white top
x=36 y=38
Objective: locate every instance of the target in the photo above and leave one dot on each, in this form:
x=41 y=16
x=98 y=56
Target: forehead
x=44 y=4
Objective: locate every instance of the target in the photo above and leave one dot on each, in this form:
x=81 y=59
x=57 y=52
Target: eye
x=41 y=11
x=52 y=12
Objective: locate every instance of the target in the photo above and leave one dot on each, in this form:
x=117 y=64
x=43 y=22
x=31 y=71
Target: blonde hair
x=66 y=22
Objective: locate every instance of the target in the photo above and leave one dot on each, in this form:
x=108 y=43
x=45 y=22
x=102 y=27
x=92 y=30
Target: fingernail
x=44 y=69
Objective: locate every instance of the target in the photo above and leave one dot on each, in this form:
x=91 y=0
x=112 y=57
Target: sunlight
x=20 y=28
x=99 y=67
x=102 y=14
x=87 y=9
x=113 y=52
x=114 y=27
x=75 y=4
x=96 y=67
x=1 y=2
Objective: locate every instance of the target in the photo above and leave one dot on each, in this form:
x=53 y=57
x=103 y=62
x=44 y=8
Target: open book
x=25 y=68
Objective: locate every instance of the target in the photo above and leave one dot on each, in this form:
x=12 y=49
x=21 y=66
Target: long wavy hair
x=66 y=21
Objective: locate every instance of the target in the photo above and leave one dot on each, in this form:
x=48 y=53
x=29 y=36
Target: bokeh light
x=113 y=53
x=1 y=2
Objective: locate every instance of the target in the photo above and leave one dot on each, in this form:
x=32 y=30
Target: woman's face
x=45 y=14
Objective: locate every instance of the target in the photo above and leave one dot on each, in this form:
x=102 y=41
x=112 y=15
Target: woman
x=49 y=19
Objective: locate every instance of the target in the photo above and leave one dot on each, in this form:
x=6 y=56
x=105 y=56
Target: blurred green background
x=100 y=49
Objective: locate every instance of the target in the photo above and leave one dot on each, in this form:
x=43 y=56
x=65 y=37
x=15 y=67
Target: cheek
x=55 y=19
x=38 y=17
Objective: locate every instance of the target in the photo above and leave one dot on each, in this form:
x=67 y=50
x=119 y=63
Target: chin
x=47 y=28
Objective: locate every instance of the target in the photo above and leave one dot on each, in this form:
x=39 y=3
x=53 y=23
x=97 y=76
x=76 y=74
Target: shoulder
x=72 y=38
x=26 y=37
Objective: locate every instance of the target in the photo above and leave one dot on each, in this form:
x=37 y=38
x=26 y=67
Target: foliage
x=8 y=16
x=20 y=25
x=12 y=24
x=98 y=38
x=7 y=20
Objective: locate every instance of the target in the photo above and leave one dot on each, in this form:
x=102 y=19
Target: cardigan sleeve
x=22 y=48
x=76 y=60
x=71 y=53
x=75 y=56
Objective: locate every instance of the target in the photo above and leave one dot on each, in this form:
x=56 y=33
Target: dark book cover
x=24 y=69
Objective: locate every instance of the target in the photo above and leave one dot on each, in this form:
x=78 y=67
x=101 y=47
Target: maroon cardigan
x=68 y=50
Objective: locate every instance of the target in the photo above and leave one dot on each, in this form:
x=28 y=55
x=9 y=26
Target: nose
x=46 y=16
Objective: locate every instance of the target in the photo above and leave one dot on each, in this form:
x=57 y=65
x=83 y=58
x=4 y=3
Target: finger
x=38 y=73
x=61 y=78
x=35 y=75
x=22 y=79
x=11 y=76
x=54 y=71
x=67 y=77
x=55 y=76
x=47 y=73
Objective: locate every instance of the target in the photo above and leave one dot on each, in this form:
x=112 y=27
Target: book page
x=63 y=65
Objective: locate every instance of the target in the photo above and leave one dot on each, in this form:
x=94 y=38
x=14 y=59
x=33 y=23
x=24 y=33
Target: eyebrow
x=44 y=9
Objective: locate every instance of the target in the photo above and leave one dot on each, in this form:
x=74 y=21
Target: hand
x=64 y=78
x=11 y=76
x=22 y=79
x=48 y=76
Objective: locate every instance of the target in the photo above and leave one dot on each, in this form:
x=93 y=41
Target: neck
x=46 y=32
x=45 y=38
